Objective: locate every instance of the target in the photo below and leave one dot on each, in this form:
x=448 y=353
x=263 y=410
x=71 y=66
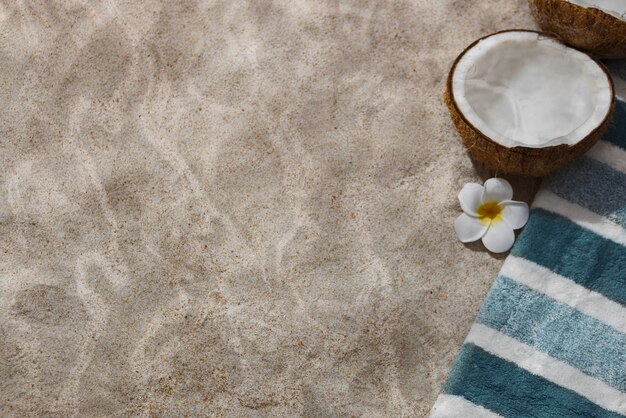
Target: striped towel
x=550 y=339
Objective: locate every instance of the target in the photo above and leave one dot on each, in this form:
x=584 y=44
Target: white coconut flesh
x=523 y=89
x=616 y=8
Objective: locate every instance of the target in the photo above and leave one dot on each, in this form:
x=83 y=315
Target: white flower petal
x=470 y=198
x=514 y=213
x=497 y=190
x=499 y=238
x=469 y=229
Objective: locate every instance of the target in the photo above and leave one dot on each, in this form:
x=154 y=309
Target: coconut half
x=524 y=103
x=594 y=26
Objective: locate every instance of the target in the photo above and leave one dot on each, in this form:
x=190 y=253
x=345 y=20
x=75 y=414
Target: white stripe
x=549 y=368
x=581 y=216
x=566 y=291
x=609 y=154
x=451 y=406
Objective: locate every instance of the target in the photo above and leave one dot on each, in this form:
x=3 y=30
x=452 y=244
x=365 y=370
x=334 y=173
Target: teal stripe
x=511 y=391
x=560 y=245
x=557 y=330
x=593 y=185
x=616 y=134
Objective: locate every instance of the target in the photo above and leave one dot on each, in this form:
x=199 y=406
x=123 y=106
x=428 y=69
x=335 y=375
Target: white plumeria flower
x=490 y=214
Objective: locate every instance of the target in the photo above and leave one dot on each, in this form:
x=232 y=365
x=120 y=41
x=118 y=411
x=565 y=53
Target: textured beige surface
x=233 y=208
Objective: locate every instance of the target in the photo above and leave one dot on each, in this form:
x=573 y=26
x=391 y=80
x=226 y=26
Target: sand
x=234 y=208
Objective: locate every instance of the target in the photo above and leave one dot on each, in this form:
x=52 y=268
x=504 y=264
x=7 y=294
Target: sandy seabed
x=233 y=208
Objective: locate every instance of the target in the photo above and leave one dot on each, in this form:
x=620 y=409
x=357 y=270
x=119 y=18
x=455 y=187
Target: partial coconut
x=526 y=104
x=594 y=26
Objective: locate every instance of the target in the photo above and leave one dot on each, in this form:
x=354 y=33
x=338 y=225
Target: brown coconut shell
x=590 y=30
x=526 y=161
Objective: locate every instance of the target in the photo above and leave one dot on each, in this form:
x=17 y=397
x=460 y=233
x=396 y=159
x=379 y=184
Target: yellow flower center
x=489 y=212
